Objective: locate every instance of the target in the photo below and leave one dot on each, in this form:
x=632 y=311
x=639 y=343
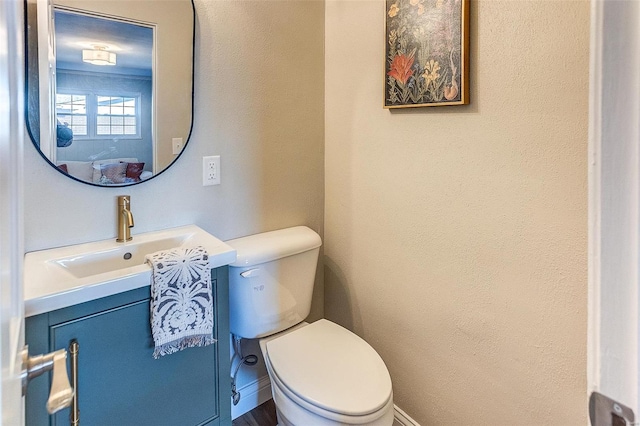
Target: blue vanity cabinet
x=119 y=382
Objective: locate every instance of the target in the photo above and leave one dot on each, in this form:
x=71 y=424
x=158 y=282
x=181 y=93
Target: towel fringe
x=180 y=344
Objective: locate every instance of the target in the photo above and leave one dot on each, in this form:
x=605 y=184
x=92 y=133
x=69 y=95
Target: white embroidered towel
x=181 y=300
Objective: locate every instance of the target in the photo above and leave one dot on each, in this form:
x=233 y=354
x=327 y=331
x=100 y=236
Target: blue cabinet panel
x=119 y=381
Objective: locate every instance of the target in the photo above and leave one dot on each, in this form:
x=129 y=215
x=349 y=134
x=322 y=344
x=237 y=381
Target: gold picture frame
x=427 y=53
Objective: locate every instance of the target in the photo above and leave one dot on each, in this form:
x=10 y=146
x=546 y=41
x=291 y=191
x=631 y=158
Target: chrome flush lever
x=61 y=393
x=251 y=273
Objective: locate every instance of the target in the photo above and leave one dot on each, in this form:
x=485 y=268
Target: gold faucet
x=125 y=219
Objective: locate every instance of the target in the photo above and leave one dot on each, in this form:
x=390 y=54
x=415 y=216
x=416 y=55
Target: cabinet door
x=121 y=384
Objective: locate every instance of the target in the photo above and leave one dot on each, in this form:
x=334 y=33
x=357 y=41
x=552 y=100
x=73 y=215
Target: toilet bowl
x=321 y=373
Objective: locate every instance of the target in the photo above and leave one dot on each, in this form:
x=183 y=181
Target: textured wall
x=259 y=104
x=455 y=237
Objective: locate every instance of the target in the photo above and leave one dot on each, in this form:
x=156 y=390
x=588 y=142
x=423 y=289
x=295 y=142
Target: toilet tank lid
x=267 y=246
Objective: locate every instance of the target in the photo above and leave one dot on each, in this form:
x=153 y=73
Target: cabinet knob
x=61 y=393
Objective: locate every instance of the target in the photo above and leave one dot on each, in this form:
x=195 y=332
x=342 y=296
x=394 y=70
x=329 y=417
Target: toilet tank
x=271 y=282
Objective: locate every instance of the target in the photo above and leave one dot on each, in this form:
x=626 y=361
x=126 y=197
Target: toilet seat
x=292 y=411
x=306 y=364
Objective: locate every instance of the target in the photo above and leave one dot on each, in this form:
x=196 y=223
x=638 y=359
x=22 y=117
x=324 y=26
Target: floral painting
x=427 y=53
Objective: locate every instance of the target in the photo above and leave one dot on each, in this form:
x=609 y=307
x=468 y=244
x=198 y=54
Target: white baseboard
x=259 y=391
x=251 y=395
x=401 y=418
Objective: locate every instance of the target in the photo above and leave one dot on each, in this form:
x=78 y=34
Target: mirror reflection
x=110 y=86
x=104 y=80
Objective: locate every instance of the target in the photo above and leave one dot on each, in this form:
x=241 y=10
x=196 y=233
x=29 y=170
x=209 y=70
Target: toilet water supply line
x=249 y=360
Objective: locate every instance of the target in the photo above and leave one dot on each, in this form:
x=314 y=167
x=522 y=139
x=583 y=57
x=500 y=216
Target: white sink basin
x=66 y=276
x=116 y=258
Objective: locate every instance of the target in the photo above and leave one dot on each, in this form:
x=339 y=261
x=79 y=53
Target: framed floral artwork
x=427 y=53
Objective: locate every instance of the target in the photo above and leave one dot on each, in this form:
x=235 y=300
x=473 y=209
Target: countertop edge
x=74 y=296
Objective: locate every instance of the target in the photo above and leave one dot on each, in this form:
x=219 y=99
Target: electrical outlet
x=211 y=170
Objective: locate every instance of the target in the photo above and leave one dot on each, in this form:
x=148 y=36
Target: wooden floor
x=263 y=415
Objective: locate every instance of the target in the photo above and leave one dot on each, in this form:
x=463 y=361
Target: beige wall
x=455 y=237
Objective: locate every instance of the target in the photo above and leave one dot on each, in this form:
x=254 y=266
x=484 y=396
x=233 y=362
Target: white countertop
x=49 y=286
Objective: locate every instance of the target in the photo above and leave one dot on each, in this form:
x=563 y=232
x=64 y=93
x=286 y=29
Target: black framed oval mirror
x=109 y=86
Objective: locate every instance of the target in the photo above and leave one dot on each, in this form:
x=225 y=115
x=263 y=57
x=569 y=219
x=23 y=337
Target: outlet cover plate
x=211 y=170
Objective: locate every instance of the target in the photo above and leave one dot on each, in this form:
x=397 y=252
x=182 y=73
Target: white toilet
x=321 y=373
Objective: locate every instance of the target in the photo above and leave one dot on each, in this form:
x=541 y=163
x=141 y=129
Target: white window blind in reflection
x=117 y=116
